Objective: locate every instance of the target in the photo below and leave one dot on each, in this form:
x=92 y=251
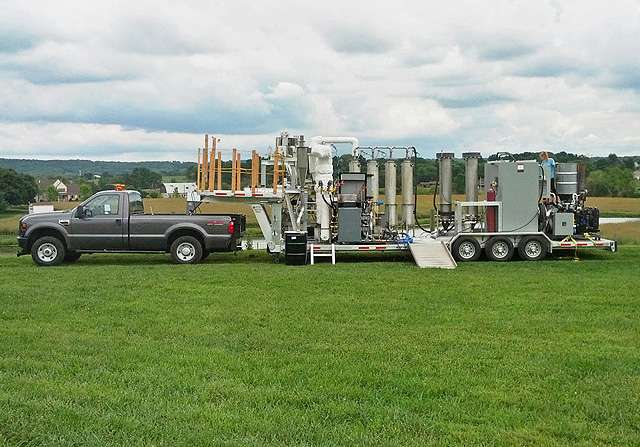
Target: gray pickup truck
x=114 y=221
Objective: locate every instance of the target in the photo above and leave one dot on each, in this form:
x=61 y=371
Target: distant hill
x=69 y=168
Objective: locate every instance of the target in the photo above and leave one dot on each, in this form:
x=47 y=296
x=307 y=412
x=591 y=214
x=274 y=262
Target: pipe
x=408 y=199
x=445 y=175
x=471 y=179
x=373 y=181
x=390 y=192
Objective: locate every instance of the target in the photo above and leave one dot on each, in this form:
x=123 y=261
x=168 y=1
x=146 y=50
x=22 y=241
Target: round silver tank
x=471 y=178
x=408 y=193
x=390 y=192
x=567 y=178
x=445 y=188
x=373 y=181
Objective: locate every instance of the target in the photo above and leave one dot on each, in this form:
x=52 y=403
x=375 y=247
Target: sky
x=138 y=80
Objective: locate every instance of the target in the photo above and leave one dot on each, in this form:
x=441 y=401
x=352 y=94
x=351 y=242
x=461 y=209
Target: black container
x=295 y=248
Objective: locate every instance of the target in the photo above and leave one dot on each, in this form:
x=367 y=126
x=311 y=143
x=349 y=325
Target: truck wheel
x=499 y=249
x=47 y=251
x=466 y=249
x=186 y=250
x=72 y=256
x=205 y=255
x=532 y=248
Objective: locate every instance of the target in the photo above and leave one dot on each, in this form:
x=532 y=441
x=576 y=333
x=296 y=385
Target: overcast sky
x=137 y=80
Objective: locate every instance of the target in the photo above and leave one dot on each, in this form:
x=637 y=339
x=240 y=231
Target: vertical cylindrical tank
x=373 y=181
x=390 y=192
x=445 y=175
x=471 y=178
x=408 y=192
x=567 y=178
x=354 y=165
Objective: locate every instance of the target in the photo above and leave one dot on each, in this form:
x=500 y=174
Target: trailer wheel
x=47 y=251
x=532 y=248
x=186 y=250
x=466 y=249
x=499 y=249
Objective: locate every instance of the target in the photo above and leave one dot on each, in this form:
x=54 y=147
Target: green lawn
x=132 y=350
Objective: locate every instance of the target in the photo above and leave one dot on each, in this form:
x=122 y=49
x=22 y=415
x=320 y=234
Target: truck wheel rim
x=47 y=252
x=186 y=251
x=467 y=250
x=500 y=249
x=533 y=249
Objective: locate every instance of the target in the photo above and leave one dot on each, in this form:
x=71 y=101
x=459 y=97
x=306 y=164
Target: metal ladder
x=322 y=254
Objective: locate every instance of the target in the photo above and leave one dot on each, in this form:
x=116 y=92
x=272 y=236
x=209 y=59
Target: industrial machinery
x=305 y=210
x=520 y=212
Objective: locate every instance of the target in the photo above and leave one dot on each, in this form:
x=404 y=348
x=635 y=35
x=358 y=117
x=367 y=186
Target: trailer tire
x=499 y=249
x=48 y=251
x=532 y=248
x=186 y=250
x=466 y=249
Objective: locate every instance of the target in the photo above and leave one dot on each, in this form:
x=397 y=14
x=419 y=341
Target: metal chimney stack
x=373 y=181
x=471 y=178
x=390 y=192
x=445 y=174
x=408 y=193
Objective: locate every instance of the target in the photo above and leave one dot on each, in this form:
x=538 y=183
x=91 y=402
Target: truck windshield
x=135 y=203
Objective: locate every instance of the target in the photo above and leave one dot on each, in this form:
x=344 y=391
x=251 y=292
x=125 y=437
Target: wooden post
x=253 y=171
x=239 y=171
x=233 y=170
x=212 y=161
x=205 y=162
x=198 y=174
x=219 y=170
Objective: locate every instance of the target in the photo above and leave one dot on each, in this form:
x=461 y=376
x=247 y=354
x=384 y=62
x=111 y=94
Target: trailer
x=307 y=211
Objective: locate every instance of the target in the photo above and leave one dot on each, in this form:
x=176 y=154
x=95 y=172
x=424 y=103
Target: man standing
x=549 y=162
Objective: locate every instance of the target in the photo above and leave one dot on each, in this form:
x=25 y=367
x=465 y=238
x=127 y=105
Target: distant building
x=177 y=189
x=66 y=193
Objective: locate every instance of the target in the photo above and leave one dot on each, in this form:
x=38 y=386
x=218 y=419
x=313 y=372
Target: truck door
x=101 y=227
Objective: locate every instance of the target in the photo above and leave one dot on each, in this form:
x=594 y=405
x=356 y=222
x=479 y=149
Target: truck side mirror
x=81 y=212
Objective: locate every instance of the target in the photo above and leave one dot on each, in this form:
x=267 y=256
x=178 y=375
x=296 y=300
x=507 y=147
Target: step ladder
x=428 y=253
x=322 y=251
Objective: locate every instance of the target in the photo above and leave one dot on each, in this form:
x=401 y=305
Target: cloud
x=146 y=79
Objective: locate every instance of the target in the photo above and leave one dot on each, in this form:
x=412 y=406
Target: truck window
x=103 y=206
x=135 y=203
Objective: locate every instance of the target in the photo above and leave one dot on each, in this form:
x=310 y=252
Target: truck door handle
x=118 y=221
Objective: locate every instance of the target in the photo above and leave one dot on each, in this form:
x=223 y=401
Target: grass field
x=132 y=350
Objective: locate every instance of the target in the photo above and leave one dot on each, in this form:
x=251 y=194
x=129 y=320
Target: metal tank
x=354 y=165
x=567 y=179
x=471 y=178
x=390 y=192
x=445 y=187
x=408 y=193
x=373 y=181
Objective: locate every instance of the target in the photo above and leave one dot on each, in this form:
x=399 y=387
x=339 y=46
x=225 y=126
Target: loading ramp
x=429 y=253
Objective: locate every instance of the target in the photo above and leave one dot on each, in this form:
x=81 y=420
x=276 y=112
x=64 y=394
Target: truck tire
x=499 y=249
x=532 y=248
x=72 y=256
x=466 y=249
x=48 y=251
x=186 y=250
x=205 y=255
